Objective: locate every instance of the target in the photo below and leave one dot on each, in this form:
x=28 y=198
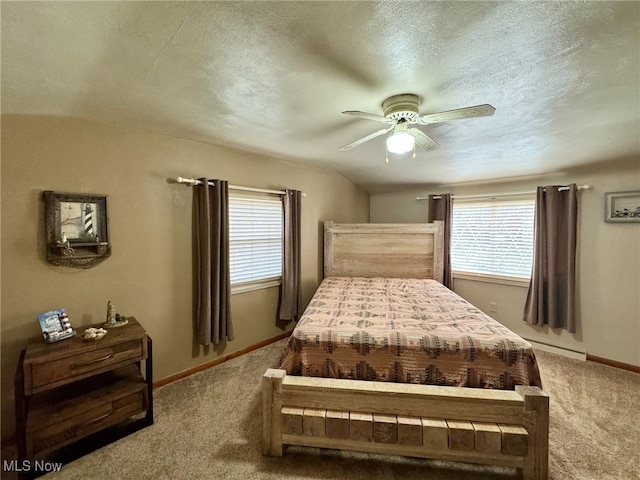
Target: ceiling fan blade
x=423 y=139
x=368 y=116
x=461 y=113
x=365 y=139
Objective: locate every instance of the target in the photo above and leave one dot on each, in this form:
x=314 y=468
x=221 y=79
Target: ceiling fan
x=400 y=111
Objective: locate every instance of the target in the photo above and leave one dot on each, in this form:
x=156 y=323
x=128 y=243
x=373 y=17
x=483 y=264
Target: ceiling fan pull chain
x=386 y=154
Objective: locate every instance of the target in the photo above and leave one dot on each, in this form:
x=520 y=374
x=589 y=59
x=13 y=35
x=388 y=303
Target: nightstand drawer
x=58 y=372
x=76 y=428
x=100 y=402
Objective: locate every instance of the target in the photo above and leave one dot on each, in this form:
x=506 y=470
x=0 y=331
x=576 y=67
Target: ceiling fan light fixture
x=400 y=142
x=400 y=111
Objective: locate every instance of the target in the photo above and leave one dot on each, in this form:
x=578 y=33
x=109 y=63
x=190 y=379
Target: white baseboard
x=575 y=354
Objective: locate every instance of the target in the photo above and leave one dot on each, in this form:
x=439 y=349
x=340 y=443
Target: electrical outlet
x=493 y=307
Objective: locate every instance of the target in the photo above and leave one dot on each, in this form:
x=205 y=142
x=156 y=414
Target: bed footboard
x=495 y=427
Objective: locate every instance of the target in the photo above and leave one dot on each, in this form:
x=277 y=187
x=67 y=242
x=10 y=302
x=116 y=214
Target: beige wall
x=149 y=272
x=608 y=262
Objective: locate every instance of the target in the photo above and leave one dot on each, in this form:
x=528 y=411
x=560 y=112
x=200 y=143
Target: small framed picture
x=55 y=325
x=78 y=218
x=622 y=207
x=77 y=229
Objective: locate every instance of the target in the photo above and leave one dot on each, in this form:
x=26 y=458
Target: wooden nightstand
x=75 y=390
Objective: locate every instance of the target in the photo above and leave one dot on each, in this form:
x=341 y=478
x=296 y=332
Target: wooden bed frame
x=494 y=427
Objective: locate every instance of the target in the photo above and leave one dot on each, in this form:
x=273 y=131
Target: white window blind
x=493 y=237
x=255 y=238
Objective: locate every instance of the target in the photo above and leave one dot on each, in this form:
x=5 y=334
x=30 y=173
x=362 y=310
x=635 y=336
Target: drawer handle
x=97 y=360
x=100 y=418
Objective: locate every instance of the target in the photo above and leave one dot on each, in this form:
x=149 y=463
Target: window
x=493 y=237
x=255 y=241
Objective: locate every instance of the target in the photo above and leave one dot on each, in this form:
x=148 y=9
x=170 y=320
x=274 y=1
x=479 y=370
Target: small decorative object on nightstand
x=55 y=325
x=94 y=334
x=114 y=319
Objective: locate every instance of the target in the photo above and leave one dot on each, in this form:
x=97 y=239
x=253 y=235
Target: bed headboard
x=400 y=250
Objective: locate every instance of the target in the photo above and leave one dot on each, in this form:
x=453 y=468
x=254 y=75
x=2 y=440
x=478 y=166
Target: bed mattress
x=405 y=331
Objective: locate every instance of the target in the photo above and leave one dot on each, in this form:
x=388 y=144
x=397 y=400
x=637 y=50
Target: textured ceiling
x=274 y=77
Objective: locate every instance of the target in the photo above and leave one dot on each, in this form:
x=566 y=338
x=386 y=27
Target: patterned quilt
x=406 y=331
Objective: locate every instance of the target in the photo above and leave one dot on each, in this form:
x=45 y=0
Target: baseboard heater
x=567 y=352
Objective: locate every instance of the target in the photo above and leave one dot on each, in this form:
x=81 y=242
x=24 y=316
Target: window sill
x=481 y=277
x=257 y=285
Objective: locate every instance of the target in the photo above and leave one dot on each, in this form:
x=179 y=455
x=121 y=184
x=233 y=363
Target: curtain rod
x=491 y=195
x=194 y=181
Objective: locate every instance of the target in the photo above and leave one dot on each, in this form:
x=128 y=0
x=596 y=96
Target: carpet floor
x=208 y=426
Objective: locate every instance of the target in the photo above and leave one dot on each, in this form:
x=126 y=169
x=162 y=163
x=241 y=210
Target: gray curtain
x=441 y=209
x=289 y=307
x=211 y=251
x=551 y=297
